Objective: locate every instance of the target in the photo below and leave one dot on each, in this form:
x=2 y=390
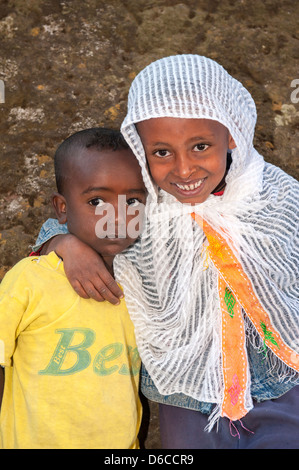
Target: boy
x=71 y=364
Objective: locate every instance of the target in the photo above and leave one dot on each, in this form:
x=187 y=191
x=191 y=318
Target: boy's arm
x=14 y=299
x=84 y=267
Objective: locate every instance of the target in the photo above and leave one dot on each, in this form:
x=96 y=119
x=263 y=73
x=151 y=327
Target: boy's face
x=186 y=157
x=91 y=205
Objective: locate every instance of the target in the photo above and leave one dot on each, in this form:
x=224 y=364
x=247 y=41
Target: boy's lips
x=115 y=237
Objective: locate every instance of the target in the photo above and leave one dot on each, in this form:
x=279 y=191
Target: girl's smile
x=186 y=157
x=190 y=189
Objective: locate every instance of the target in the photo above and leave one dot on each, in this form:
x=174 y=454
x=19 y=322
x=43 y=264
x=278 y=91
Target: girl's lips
x=190 y=188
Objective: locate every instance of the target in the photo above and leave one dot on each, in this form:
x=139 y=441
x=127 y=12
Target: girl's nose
x=184 y=166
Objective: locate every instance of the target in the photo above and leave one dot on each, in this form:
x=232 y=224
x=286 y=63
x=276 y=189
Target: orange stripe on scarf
x=234 y=356
x=239 y=287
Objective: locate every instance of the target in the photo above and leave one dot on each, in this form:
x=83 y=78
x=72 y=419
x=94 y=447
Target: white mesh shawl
x=169 y=279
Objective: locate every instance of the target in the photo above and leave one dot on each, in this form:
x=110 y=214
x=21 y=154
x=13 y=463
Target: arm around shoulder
x=85 y=269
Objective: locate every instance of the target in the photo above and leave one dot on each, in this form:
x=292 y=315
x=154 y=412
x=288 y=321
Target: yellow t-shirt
x=71 y=365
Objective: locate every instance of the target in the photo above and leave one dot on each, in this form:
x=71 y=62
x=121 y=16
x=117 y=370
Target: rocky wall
x=67 y=65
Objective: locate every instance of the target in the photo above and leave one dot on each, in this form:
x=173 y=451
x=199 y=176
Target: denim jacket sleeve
x=50 y=229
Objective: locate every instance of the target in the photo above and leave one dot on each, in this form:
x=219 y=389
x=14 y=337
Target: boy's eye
x=133 y=201
x=97 y=201
x=200 y=147
x=161 y=153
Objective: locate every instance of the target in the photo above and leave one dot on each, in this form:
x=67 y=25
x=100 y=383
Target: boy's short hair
x=96 y=137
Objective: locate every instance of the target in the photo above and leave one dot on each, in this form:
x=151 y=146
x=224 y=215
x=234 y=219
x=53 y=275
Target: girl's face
x=186 y=157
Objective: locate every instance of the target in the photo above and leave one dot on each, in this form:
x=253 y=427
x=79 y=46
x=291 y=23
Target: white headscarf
x=169 y=279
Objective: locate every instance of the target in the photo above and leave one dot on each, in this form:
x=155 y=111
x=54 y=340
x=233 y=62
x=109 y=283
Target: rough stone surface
x=67 y=65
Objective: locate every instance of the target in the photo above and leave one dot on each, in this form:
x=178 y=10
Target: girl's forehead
x=167 y=126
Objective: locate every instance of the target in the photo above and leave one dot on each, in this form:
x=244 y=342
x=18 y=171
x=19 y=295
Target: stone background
x=67 y=65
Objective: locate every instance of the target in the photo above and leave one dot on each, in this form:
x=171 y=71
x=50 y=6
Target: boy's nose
x=120 y=219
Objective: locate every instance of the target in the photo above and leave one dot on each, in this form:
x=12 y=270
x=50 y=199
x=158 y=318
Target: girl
x=212 y=284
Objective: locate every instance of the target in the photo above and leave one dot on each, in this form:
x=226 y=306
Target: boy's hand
x=85 y=269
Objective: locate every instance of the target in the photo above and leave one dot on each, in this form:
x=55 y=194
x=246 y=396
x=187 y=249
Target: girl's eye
x=133 y=201
x=161 y=153
x=97 y=201
x=200 y=147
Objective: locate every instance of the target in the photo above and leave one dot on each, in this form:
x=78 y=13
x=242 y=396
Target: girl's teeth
x=189 y=187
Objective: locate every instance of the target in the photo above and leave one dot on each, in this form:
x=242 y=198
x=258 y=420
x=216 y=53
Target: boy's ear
x=231 y=143
x=59 y=204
